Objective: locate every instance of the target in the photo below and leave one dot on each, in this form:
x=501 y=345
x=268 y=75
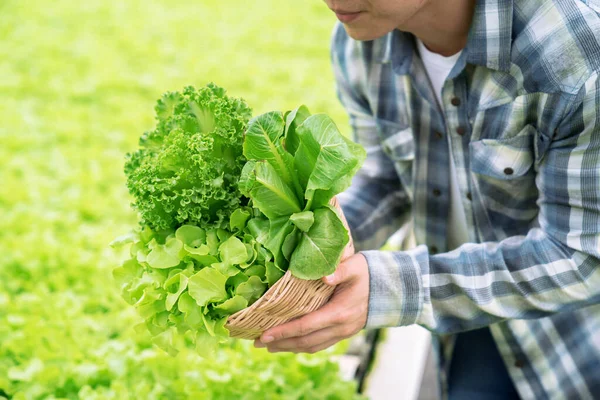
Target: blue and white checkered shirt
x=521 y=116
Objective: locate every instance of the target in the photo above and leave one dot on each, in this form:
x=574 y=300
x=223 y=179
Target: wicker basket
x=289 y=298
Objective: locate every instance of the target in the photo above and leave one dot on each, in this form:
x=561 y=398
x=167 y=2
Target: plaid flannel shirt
x=521 y=118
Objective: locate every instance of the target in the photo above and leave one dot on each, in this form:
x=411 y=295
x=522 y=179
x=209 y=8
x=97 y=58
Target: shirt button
x=519 y=363
x=461 y=131
x=433 y=250
x=455 y=101
x=469 y=197
x=509 y=171
x=438 y=134
x=437 y=192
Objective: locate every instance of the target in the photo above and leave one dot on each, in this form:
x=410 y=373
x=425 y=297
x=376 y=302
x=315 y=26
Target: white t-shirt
x=438 y=67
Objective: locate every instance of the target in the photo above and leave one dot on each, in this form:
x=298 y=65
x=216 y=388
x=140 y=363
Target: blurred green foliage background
x=78 y=83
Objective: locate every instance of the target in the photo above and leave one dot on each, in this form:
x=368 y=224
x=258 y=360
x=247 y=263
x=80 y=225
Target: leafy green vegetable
x=270 y=193
x=263 y=142
x=207 y=286
x=187 y=168
x=204 y=251
x=191 y=236
x=273 y=273
x=181 y=282
x=258 y=271
x=325 y=159
x=191 y=279
x=239 y=217
x=303 y=220
x=279 y=230
x=164 y=256
x=252 y=289
x=233 y=251
x=233 y=305
x=290 y=243
x=292 y=120
x=297 y=164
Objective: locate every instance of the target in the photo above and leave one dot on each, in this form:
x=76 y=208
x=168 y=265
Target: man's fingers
x=303 y=343
x=320 y=347
x=316 y=320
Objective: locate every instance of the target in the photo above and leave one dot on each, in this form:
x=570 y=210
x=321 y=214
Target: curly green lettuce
x=187 y=168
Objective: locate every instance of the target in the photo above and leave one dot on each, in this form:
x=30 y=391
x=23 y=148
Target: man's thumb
x=340 y=275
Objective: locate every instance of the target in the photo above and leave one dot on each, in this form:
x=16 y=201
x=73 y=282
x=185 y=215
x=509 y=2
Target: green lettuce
x=297 y=163
x=186 y=282
x=187 y=168
x=227 y=206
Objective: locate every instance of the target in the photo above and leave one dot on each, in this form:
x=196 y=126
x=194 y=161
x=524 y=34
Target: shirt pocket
x=504 y=178
x=497 y=159
x=398 y=143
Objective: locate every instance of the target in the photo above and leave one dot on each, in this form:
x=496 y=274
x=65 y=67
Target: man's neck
x=443 y=25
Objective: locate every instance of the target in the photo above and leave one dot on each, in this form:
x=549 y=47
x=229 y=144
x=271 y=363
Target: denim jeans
x=477 y=371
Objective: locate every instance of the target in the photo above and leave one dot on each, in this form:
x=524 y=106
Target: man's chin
x=364 y=34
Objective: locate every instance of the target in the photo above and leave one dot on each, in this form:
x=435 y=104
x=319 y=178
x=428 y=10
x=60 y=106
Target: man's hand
x=343 y=316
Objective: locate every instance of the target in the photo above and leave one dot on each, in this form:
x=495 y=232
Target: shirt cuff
x=395 y=289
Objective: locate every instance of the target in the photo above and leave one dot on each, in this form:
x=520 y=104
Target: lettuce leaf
x=318 y=251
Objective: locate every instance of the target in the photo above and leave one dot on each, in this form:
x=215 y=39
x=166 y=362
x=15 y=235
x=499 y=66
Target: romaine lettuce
x=297 y=164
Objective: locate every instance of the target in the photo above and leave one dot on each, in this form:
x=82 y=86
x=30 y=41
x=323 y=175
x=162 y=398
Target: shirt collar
x=396 y=48
x=490 y=39
x=489 y=42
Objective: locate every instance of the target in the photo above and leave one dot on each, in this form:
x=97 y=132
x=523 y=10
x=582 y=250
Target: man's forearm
x=479 y=284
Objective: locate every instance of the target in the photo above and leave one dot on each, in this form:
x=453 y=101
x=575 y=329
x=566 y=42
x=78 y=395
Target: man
x=497 y=163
